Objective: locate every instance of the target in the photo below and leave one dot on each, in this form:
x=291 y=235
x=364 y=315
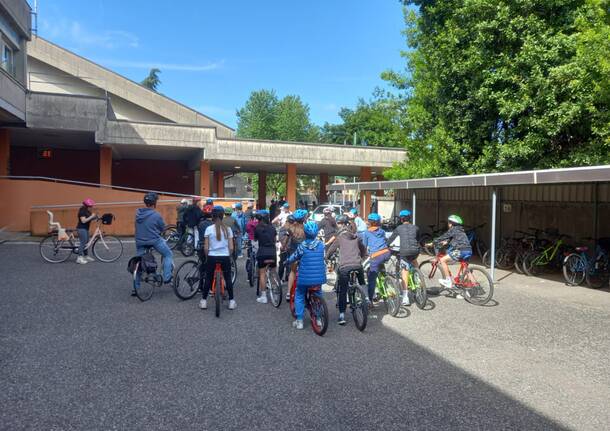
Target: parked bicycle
x=315 y=304
x=472 y=282
x=535 y=261
x=580 y=266
x=61 y=243
x=427 y=238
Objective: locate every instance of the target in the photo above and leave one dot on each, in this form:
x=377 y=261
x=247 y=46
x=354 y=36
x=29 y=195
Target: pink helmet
x=89 y=202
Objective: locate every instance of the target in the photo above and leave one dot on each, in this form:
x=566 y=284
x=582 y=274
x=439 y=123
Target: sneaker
x=297 y=324
x=89 y=259
x=445 y=282
x=342 y=319
x=233 y=304
x=169 y=280
x=405 y=298
x=459 y=296
x=262 y=299
x=203 y=304
x=81 y=260
x=133 y=293
x=288 y=296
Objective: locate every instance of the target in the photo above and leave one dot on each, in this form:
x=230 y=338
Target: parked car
x=318 y=213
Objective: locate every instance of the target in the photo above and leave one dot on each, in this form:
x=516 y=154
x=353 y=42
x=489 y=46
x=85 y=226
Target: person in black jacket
x=458 y=247
x=409 y=249
x=192 y=215
x=328 y=224
x=266 y=256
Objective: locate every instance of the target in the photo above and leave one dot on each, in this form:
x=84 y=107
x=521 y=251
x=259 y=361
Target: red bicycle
x=318 y=311
x=472 y=282
x=218 y=288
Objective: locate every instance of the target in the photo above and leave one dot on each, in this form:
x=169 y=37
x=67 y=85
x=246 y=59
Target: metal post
x=413 y=207
x=493 y=232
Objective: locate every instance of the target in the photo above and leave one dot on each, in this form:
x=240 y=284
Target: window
x=7 y=60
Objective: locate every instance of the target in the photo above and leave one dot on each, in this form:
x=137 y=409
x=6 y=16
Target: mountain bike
x=535 y=261
x=146 y=274
x=416 y=282
x=61 y=243
x=183 y=242
x=315 y=303
x=580 y=266
x=356 y=299
x=387 y=288
x=190 y=276
x=472 y=282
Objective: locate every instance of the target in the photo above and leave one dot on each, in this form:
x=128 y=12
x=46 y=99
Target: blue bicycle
x=580 y=266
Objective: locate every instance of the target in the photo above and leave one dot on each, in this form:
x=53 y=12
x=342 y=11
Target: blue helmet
x=353 y=211
x=300 y=215
x=286 y=205
x=374 y=217
x=311 y=229
x=263 y=213
x=238 y=206
x=209 y=201
x=404 y=213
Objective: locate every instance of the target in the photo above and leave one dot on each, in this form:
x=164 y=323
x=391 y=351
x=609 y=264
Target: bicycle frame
x=459 y=281
x=217 y=269
x=544 y=258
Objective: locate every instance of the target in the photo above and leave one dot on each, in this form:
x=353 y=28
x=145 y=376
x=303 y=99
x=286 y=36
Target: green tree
x=152 y=81
x=258 y=118
x=292 y=121
x=504 y=85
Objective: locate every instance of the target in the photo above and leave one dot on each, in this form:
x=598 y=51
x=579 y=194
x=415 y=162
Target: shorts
x=458 y=255
x=406 y=262
x=263 y=261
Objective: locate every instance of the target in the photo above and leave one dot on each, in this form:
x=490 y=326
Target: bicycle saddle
x=582 y=249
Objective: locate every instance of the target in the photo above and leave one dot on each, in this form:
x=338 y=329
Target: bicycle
x=250 y=263
x=272 y=283
x=318 y=310
x=475 y=241
x=472 y=282
x=580 y=266
x=145 y=269
x=61 y=243
x=356 y=298
x=535 y=261
x=387 y=288
x=184 y=242
x=218 y=288
x=427 y=238
x=189 y=275
x=416 y=281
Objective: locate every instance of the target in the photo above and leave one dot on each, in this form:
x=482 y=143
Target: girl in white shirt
x=218 y=247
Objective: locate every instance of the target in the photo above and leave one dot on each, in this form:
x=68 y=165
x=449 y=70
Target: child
x=351 y=252
x=266 y=236
x=458 y=247
x=374 y=241
x=312 y=270
x=409 y=249
x=180 y=210
x=84 y=220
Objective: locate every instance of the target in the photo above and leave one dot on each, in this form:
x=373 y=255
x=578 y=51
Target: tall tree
x=505 y=85
x=152 y=81
x=257 y=119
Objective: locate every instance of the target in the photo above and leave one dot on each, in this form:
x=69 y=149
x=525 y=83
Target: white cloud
x=163 y=66
x=75 y=34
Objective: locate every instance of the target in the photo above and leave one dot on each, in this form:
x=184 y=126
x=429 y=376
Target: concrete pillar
x=5 y=151
x=105 y=165
x=205 y=188
x=291 y=185
x=379 y=192
x=365 y=197
x=323 y=184
x=262 y=190
x=219 y=184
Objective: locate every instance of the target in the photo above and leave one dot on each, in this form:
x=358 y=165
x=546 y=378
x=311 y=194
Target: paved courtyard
x=78 y=353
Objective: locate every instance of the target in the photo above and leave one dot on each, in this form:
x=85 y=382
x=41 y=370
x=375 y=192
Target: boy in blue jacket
x=312 y=269
x=375 y=242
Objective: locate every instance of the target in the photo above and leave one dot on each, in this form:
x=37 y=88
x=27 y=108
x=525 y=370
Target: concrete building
x=63 y=117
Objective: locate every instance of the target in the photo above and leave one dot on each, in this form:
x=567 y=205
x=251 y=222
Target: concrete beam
x=131 y=133
x=12 y=96
x=56 y=111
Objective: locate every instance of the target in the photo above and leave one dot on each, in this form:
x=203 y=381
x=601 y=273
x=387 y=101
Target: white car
x=318 y=213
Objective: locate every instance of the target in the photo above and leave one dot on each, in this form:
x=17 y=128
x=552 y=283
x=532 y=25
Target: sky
x=213 y=53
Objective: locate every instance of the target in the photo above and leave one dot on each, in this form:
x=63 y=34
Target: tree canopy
x=152 y=81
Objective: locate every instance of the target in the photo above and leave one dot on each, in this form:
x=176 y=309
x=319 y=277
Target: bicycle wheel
x=480 y=288
x=144 y=290
x=429 y=272
x=54 y=250
x=420 y=288
x=359 y=306
x=274 y=287
x=107 y=248
x=186 y=281
x=217 y=293
x=598 y=275
x=171 y=236
x=188 y=245
x=318 y=313
x=531 y=264
x=574 y=269
x=233 y=271
x=392 y=300
x=518 y=264
x=250 y=272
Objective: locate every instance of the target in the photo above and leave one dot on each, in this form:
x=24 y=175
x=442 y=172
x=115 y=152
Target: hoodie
x=312 y=269
x=374 y=240
x=149 y=225
x=351 y=250
x=458 y=240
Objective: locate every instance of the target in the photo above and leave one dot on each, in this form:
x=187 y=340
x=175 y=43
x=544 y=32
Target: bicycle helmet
x=218 y=211
x=455 y=219
x=238 y=206
x=311 y=229
x=209 y=201
x=342 y=220
x=228 y=210
x=374 y=217
x=290 y=219
x=353 y=211
x=184 y=201
x=286 y=205
x=151 y=198
x=328 y=210
x=262 y=213
x=89 y=202
x=300 y=215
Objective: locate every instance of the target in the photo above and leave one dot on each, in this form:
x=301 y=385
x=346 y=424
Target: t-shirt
x=83 y=212
x=218 y=248
x=265 y=235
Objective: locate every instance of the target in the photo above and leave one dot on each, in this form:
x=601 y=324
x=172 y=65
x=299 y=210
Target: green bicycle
x=535 y=261
x=388 y=289
x=416 y=281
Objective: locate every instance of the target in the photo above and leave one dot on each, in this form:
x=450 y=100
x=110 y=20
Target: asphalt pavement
x=77 y=352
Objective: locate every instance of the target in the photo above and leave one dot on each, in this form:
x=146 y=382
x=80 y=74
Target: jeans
x=343 y=280
x=168 y=258
x=299 y=299
x=83 y=236
x=210 y=267
x=376 y=263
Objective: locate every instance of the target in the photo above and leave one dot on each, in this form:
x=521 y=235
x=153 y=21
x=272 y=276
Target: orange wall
x=18 y=196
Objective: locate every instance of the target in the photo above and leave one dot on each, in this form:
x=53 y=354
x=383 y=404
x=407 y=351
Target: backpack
x=149 y=263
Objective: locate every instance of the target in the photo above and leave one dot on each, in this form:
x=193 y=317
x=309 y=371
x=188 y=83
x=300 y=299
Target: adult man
x=149 y=226
x=192 y=215
x=328 y=224
x=240 y=221
x=283 y=215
